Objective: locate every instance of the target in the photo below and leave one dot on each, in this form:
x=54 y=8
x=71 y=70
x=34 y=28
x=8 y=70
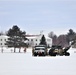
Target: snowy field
x=26 y=64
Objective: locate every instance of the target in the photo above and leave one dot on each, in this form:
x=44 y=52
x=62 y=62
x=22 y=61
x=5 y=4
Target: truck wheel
x=54 y=54
x=43 y=54
x=35 y=54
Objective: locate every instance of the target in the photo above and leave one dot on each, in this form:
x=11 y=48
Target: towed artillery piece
x=58 y=50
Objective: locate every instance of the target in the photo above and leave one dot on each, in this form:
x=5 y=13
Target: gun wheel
x=67 y=54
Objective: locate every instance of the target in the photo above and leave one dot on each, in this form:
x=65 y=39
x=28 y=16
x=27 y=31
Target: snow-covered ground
x=26 y=64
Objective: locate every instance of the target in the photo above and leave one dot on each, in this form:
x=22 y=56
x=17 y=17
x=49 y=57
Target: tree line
x=63 y=39
x=17 y=38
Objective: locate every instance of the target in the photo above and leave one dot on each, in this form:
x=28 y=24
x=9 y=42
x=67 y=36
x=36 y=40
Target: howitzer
x=58 y=50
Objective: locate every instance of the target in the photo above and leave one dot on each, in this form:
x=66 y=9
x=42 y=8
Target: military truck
x=39 y=50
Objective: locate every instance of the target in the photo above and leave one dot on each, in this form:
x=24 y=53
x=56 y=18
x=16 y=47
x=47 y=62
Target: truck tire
x=54 y=54
x=43 y=54
x=35 y=54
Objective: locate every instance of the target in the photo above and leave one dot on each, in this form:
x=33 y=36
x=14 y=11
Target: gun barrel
x=66 y=49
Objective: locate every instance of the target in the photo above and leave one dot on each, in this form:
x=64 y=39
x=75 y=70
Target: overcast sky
x=34 y=16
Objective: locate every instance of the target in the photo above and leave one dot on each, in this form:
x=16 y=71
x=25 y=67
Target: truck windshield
x=40 y=48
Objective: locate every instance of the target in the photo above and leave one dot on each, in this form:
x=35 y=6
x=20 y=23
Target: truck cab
x=40 y=50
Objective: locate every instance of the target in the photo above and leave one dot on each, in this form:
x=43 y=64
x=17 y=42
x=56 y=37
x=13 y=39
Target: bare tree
x=51 y=34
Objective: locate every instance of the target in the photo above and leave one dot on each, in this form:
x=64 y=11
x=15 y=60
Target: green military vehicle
x=58 y=50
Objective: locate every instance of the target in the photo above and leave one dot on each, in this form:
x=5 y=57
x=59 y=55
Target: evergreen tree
x=16 y=38
x=71 y=35
x=43 y=41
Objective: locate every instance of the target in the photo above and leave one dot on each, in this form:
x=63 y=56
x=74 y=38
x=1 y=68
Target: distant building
x=3 y=39
x=34 y=40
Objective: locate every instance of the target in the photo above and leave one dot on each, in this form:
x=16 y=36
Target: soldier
x=2 y=50
x=24 y=49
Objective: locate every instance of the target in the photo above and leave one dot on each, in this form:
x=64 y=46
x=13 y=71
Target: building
x=3 y=39
x=34 y=40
